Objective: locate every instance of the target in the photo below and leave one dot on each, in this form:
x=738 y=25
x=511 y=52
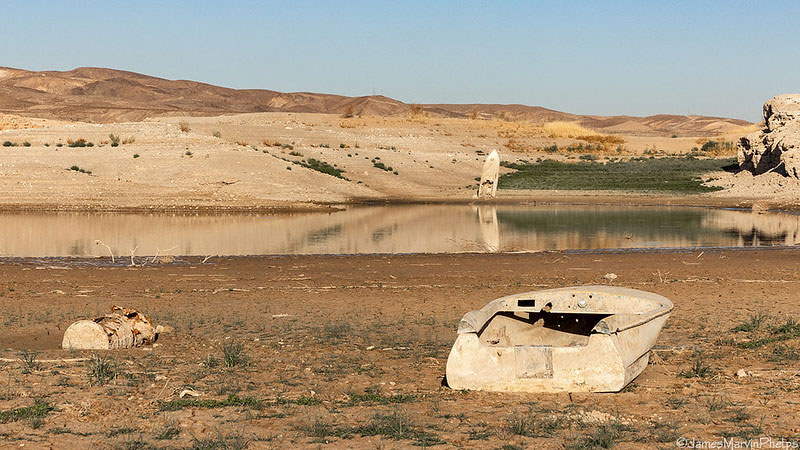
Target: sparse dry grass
x=353 y=122
x=561 y=129
x=348 y=113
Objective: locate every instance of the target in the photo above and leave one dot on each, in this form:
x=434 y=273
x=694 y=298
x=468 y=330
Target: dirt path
x=343 y=350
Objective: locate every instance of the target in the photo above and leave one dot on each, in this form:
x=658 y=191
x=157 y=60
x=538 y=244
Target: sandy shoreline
x=615 y=198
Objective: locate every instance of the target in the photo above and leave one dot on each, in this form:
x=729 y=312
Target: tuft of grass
x=318 y=427
x=169 y=429
x=184 y=126
x=114 y=139
x=217 y=134
x=79 y=143
x=321 y=166
x=39 y=409
x=699 y=368
x=379 y=399
x=664 y=432
x=78 y=169
x=396 y=425
x=531 y=424
x=101 y=370
x=752 y=324
x=381 y=165
x=116 y=431
x=231 y=400
x=673 y=174
x=604 y=436
x=233 y=354
x=335 y=331
x=790 y=327
x=233 y=441
x=784 y=353
x=137 y=443
x=788 y=330
x=302 y=401
x=28 y=358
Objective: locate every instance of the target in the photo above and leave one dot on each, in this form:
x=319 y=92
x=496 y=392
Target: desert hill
x=101 y=95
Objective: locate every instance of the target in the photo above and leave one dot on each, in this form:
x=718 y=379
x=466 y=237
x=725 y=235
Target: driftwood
x=123 y=328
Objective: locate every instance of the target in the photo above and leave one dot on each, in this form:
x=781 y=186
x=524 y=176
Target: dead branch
x=98 y=242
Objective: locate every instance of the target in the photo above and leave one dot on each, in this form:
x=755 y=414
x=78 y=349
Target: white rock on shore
x=777 y=146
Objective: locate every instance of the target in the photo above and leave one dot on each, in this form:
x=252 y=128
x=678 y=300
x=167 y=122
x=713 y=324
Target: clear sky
x=593 y=57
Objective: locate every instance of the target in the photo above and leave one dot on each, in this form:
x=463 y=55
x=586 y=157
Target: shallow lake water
x=393 y=229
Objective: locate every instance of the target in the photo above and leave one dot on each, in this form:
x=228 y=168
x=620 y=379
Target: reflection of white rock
x=491 y=171
x=490 y=231
x=754 y=228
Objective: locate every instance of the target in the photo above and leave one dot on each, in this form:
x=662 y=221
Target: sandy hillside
x=251 y=160
x=106 y=95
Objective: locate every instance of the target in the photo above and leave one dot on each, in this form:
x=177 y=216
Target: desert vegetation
x=670 y=174
x=79 y=143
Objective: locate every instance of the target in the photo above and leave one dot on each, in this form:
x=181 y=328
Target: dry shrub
x=243 y=144
x=502 y=115
x=718 y=148
x=129 y=140
x=353 y=122
x=348 y=112
x=416 y=113
x=415 y=110
x=516 y=146
x=184 y=127
x=521 y=129
x=561 y=129
x=602 y=139
x=576 y=131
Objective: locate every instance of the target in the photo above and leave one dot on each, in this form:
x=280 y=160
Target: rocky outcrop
x=777 y=146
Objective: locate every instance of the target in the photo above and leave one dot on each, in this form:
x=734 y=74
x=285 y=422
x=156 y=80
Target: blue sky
x=639 y=57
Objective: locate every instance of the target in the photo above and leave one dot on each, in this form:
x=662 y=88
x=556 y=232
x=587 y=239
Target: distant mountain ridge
x=92 y=94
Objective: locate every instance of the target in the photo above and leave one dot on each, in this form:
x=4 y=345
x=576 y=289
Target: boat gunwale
x=475 y=321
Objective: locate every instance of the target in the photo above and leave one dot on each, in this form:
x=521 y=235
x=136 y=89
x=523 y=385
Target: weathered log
x=123 y=328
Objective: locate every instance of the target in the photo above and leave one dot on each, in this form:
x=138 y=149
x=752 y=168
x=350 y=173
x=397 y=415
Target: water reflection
x=393 y=229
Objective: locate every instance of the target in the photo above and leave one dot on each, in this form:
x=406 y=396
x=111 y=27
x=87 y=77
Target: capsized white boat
x=575 y=339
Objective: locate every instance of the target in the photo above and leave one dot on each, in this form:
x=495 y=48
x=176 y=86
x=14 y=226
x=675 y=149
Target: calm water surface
x=393 y=229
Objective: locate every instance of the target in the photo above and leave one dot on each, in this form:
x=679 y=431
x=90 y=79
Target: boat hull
x=605 y=360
